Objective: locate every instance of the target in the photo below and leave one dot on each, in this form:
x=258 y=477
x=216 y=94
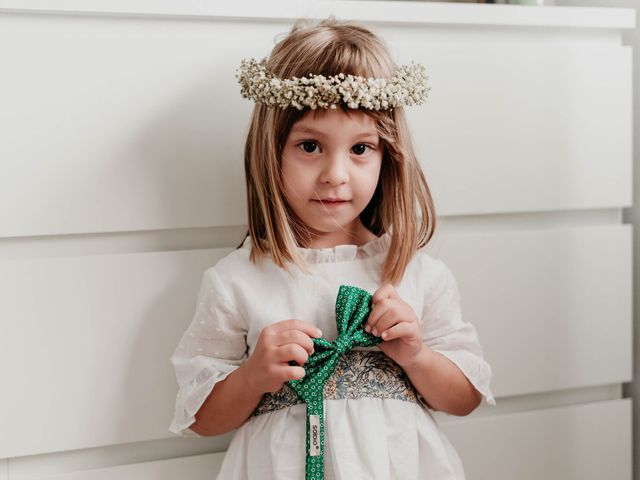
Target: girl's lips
x=330 y=204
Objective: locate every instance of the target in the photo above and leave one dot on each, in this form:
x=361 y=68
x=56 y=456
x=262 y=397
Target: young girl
x=332 y=279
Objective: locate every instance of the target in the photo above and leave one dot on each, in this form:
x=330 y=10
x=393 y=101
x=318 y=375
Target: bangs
x=329 y=48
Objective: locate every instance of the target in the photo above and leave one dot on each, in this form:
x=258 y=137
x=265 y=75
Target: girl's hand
x=395 y=321
x=268 y=366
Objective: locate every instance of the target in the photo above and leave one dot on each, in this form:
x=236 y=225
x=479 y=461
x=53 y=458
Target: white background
x=121 y=151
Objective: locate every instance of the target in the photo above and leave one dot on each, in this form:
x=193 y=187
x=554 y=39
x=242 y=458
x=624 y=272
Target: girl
x=333 y=190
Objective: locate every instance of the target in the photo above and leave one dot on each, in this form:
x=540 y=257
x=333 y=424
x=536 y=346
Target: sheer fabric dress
x=365 y=437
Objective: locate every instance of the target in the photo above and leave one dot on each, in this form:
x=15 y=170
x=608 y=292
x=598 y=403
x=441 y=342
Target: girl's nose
x=335 y=171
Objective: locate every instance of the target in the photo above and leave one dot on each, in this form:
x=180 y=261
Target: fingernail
x=367 y=328
x=319 y=332
x=375 y=331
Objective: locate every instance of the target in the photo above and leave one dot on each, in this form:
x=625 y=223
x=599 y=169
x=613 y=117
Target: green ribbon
x=353 y=306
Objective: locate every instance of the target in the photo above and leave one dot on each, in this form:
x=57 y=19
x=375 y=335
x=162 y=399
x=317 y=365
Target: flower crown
x=406 y=87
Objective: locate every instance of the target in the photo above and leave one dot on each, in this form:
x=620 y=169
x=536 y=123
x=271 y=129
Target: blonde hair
x=328 y=48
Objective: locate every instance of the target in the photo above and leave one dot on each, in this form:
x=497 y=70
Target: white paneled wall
x=193 y=467
x=591 y=440
x=94 y=336
x=122 y=137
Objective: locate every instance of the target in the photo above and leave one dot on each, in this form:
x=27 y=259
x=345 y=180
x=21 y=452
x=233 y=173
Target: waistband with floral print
x=359 y=373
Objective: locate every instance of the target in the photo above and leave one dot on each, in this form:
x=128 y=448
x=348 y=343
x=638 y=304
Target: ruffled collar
x=341 y=253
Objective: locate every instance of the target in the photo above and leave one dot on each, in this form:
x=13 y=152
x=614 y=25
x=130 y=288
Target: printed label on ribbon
x=314 y=435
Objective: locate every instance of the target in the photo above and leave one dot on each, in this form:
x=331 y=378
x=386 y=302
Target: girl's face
x=330 y=166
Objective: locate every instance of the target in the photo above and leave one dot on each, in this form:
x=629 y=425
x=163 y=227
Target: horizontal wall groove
x=542 y=401
x=109 y=243
x=402 y=12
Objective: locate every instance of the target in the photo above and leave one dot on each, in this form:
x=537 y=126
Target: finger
x=389 y=319
x=294 y=324
x=378 y=311
x=294 y=336
x=293 y=373
x=291 y=352
x=386 y=291
x=398 y=330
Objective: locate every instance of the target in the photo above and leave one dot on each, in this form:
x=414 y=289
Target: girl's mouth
x=331 y=203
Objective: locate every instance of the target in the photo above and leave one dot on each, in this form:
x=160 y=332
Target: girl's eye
x=308 y=146
x=359 y=148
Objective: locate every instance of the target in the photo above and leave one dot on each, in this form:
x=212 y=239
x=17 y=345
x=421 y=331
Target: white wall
x=630 y=215
x=121 y=146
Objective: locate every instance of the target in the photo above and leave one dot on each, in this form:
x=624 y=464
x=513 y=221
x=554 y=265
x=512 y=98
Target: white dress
x=374 y=438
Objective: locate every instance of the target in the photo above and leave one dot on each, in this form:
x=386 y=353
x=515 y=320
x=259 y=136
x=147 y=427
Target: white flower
x=406 y=87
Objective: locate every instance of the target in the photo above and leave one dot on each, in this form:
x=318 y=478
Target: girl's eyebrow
x=303 y=129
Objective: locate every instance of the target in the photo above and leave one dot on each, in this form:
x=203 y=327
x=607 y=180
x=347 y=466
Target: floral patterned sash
x=358 y=374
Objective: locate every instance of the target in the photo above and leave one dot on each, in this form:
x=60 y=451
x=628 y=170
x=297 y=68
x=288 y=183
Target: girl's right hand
x=268 y=366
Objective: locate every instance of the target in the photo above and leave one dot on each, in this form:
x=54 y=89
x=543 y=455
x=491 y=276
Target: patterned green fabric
x=353 y=306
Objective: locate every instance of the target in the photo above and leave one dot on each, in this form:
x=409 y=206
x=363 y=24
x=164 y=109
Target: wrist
x=423 y=357
x=245 y=373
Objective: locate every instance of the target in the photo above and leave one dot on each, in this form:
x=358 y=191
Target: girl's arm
x=233 y=399
x=229 y=404
x=442 y=384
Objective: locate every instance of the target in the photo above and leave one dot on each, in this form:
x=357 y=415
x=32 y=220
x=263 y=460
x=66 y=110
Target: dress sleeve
x=446 y=332
x=212 y=347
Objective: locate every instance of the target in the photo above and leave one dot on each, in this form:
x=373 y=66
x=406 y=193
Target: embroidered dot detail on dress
x=353 y=306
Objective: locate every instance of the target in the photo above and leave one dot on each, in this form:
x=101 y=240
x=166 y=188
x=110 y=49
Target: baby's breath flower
x=407 y=87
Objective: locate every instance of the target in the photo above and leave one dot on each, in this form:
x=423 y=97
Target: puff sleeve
x=446 y=332
x=211 y=348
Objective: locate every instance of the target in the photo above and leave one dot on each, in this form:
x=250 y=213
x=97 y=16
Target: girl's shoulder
x=430 y=268
x=232 y=264
x=236 y=270
x=426 y=259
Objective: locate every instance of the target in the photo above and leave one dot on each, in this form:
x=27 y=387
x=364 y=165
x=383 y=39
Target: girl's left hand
x=396 y=323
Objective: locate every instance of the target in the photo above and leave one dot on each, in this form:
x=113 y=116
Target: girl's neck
x=357 y=236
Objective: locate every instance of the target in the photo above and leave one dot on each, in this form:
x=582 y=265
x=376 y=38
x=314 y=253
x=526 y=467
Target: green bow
x=353 y=306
